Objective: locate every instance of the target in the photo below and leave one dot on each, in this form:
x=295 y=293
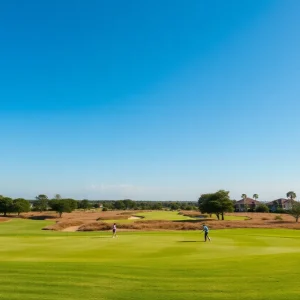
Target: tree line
x=217 y=203
x=148 y=205
x=60 y=205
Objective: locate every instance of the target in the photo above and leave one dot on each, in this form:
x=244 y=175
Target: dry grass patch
x=4 y=219
x=143 y=225
x=87 y=221
x=193 y=214
x=63 y=225
x=95 y=226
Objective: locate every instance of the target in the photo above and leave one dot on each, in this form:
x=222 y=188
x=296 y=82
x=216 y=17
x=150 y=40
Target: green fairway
x=163 y=215
x=154 y=215
x=175 y=216
x=237 y=264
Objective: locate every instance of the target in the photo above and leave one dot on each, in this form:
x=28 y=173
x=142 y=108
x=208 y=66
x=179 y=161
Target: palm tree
x=244 y=196
x=291 y=195
x=255 y=196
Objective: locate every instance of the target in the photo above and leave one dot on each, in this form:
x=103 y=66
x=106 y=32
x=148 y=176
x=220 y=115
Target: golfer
x=114 y=230
x=206 y=230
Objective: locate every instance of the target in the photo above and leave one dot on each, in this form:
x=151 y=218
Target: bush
x=104 y=209
x=280 y=211
x=262 y=208
x=278 y=218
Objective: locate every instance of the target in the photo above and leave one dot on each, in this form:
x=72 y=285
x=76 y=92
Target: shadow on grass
x=281 y=222
x=44 y=217
x=190 y=221
x=190 y=241
x=101 y=237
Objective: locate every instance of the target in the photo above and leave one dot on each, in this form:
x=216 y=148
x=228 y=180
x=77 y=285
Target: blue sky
x=159 y=100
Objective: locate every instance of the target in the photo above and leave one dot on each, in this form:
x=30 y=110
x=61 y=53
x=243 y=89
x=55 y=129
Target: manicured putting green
x=258 y=264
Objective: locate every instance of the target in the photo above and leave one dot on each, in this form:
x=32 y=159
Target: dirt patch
x=71 y=229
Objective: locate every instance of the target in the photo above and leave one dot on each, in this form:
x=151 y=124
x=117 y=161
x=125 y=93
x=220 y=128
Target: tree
x=84 y=204
x=216 y=203
x=174 y=206
x=129 y=204
x=262 y=208
x=120 y=205
x=205 y=205
x=292 y=195
x=21 y=205
x=5 y=205
x=255 y=196
x=41 y=203
x=295 y=210
x=57 y=196
x=158 y=206
x=96 y=205
x=73 y=203
x=244 y=196
x=62 y=205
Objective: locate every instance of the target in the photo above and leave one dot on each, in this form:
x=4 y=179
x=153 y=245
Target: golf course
x=237 y=264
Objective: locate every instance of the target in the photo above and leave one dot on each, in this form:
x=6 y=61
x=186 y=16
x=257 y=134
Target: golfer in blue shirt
x=206 y=230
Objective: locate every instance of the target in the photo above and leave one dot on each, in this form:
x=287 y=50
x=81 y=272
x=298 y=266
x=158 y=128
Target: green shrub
x=278 y=218
x=104 y=209
x=262 y=208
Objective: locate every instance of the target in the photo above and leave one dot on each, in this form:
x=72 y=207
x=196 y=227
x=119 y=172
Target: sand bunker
x=135 y=218
x=71 y=228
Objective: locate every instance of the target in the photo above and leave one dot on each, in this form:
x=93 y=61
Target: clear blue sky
x=159 y=100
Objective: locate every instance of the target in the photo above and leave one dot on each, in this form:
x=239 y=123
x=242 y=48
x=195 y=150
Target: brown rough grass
x=80 y=215
x=88 y=221
x=4 y=219
x=64 y=224
x=192 y=213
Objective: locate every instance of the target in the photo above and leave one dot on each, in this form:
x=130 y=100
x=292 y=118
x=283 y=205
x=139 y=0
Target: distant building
x=250 y=203
x=280 y=203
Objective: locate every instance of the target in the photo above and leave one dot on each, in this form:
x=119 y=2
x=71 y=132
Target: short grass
x=154 y=215
x=245 y=264
x=175 y=216
x=163 y=215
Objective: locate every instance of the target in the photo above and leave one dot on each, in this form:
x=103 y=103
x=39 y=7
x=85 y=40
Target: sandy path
x=71 y=228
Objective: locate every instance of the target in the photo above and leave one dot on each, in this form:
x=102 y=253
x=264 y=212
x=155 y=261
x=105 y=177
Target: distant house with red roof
x=248 y=202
